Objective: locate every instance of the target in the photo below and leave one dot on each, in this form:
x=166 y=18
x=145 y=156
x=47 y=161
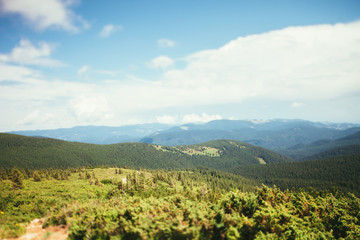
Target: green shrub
x=17 y=178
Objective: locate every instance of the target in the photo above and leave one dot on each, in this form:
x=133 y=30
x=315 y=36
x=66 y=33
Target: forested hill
x=337 y=152
x=31 y=152
x=342 y=146
x=341 y=172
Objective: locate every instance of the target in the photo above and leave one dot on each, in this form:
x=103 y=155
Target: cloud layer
x=295 y=66
x=313 y=62
x=187 y=118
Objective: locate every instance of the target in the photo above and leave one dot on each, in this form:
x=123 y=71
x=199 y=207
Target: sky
x=66 y=63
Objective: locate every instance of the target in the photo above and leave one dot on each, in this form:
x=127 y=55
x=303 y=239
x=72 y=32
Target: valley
x=219 y=189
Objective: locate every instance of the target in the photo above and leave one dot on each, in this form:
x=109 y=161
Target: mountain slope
x=341 y=172
x=33 y=152
x=336 y=152
x=350 y=143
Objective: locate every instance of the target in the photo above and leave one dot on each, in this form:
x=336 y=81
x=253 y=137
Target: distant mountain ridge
x=272 y=134
x=98 y=134
x=289 y=137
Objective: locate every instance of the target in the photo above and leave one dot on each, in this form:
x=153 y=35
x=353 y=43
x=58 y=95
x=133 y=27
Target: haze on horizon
x=71 y=63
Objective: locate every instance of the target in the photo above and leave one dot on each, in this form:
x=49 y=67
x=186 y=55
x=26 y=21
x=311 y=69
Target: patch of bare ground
x=35 y=231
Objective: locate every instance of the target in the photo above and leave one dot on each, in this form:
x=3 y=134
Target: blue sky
x=71 y=62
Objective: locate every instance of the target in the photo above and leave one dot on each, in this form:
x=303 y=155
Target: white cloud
x=166 y=119
x=46 y=14
x=17 y=73
x=313 y=65
x=303 y=63
x=28 y=54
x=162 y=62
x=109 y=29
x=90 y=108
x=35 y=117
x=166 y=43
x=187 y=118
x=297 y=104
x=83 y=70
x=200 y=118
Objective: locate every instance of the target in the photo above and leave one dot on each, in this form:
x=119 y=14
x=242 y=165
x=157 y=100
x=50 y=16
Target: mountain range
x=271 y=134
x=298 y=139
x=98 y=134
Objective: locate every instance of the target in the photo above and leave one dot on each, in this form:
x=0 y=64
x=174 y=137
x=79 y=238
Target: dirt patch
x=124 y=180
x=35 y=231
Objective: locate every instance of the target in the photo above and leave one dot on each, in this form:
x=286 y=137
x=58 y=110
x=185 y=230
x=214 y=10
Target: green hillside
x=341 y=172
x=302 y=152
x=336 y=152
x=158 y=204
x=30 y=152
